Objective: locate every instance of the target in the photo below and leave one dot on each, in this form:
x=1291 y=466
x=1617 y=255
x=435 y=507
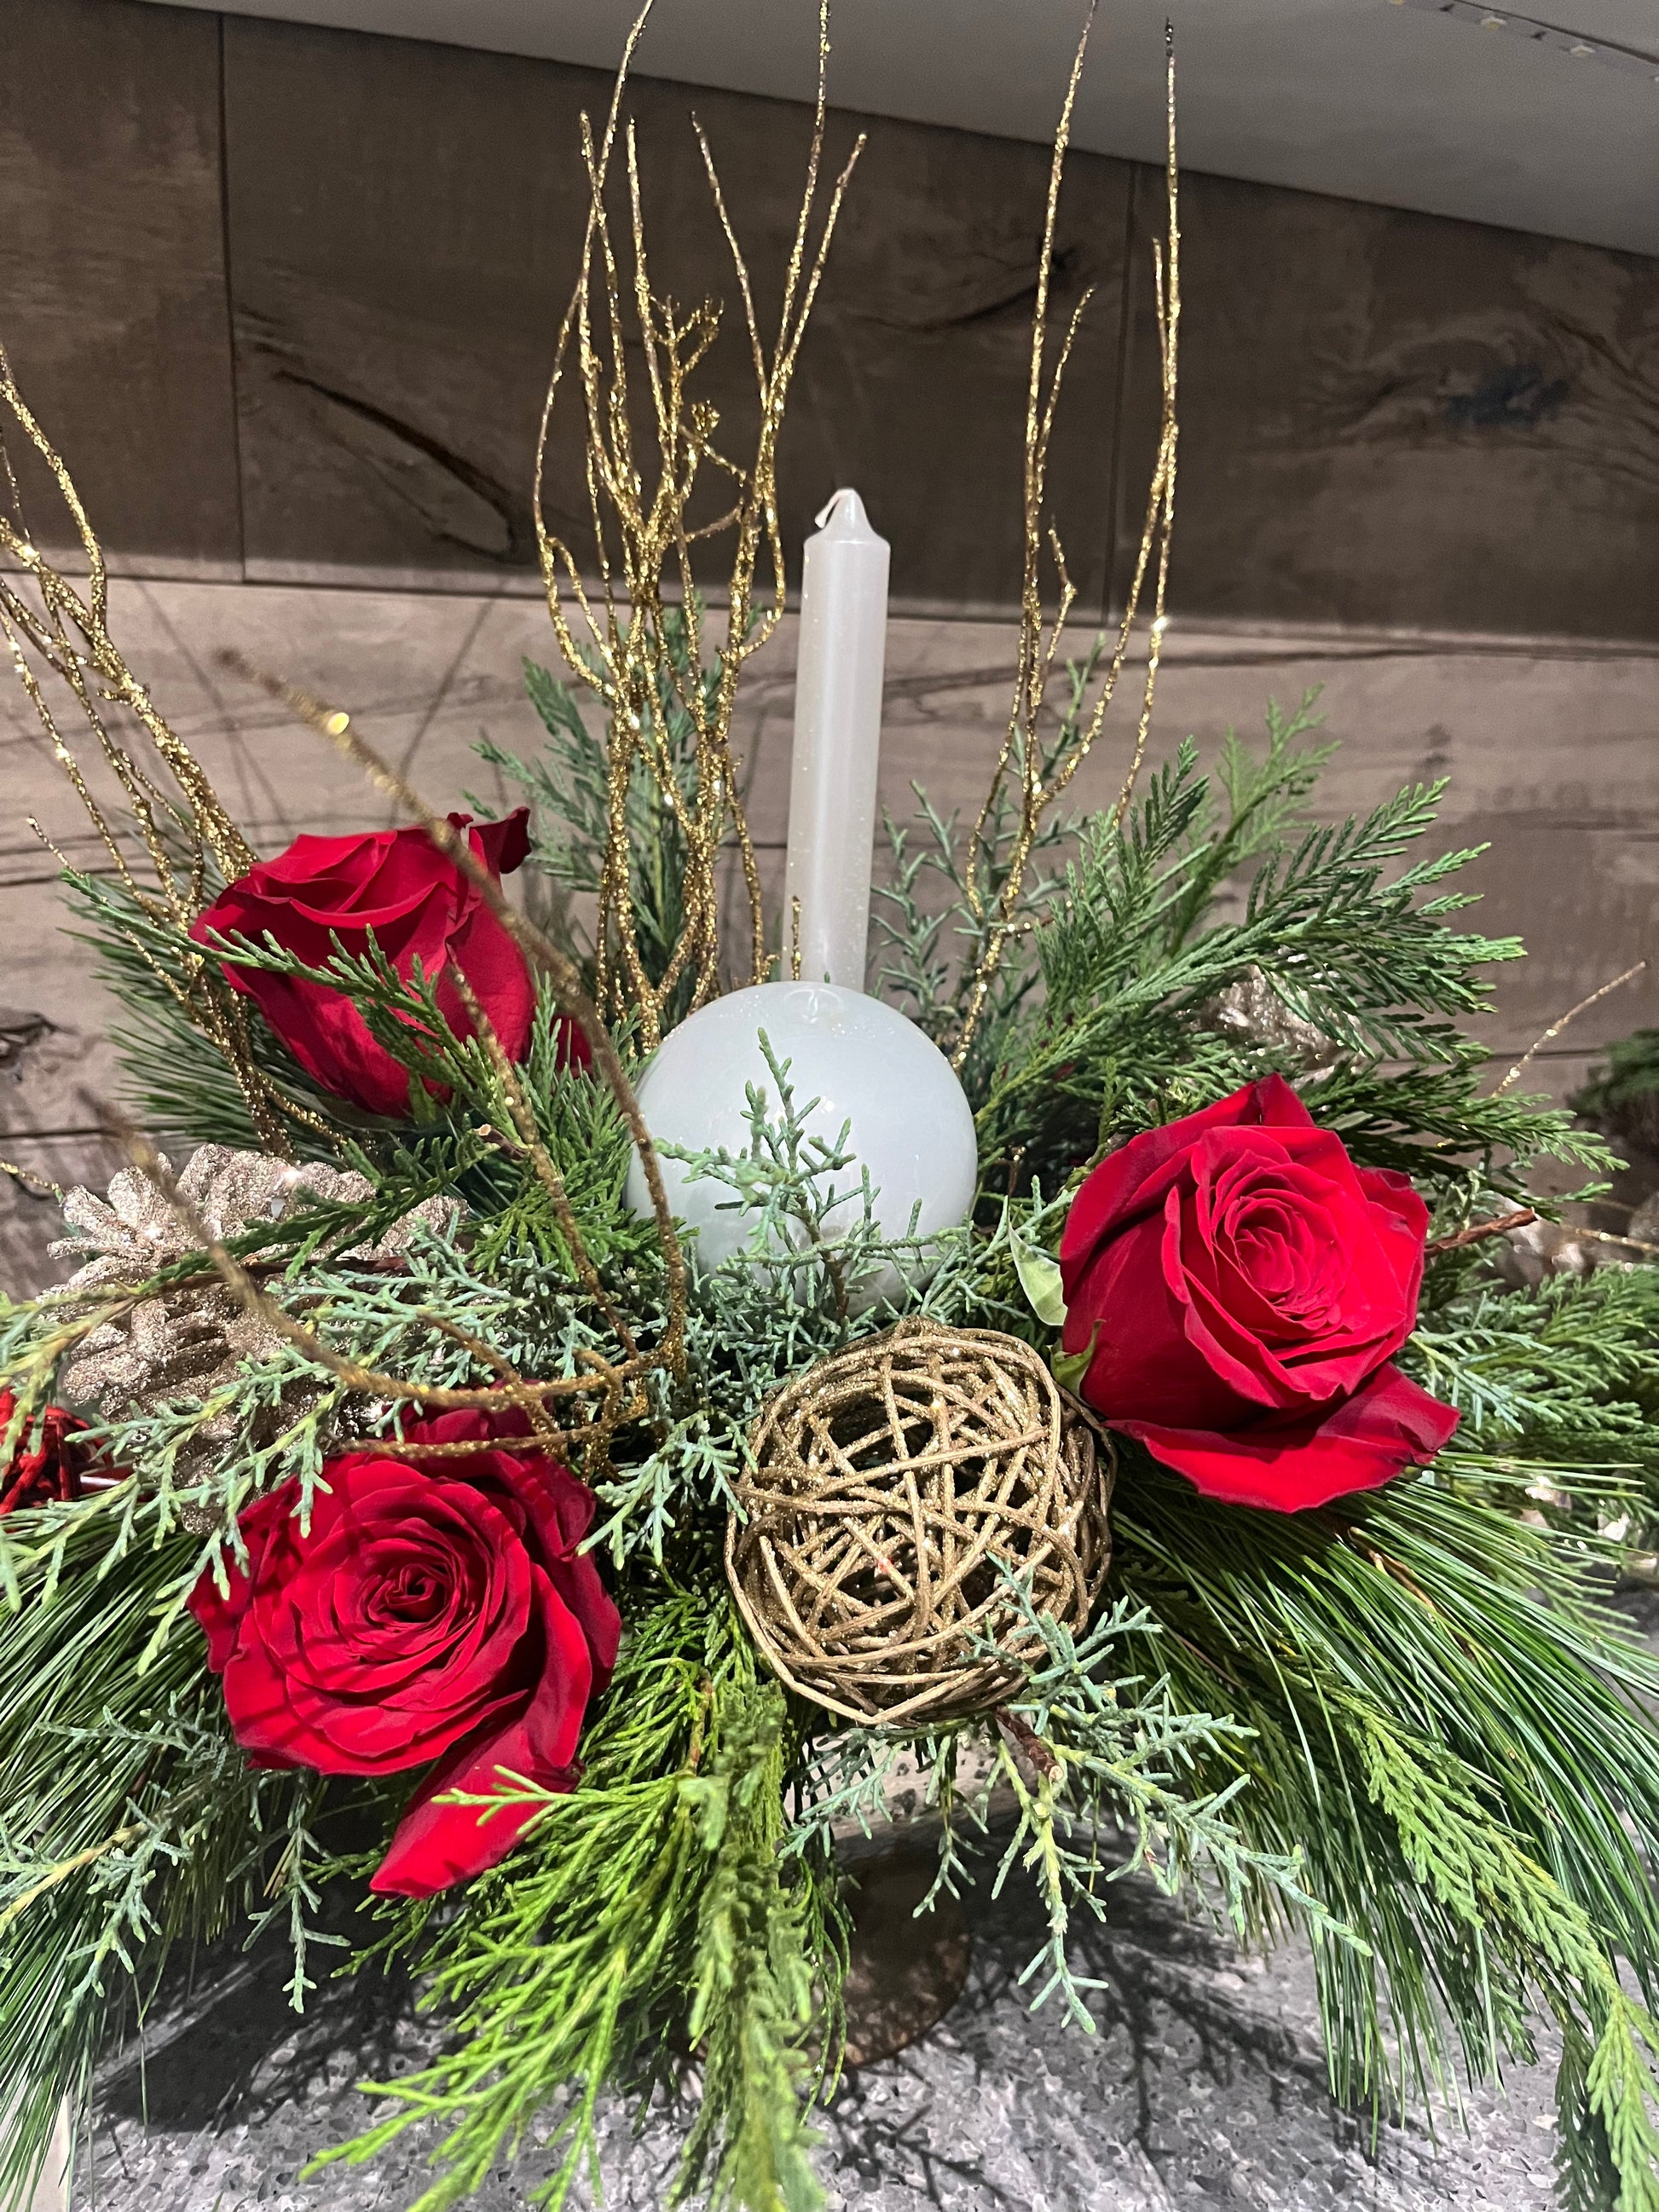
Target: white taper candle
x=832 y=784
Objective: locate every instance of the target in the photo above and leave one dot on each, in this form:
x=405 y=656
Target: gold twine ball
x=895 y=1487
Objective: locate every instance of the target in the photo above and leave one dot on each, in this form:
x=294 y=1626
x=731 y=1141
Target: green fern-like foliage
x=569 y=783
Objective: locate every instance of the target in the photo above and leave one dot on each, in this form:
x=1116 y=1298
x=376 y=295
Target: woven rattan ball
x=896 y=1486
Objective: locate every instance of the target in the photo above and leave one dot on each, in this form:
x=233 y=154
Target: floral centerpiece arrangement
x=397 y=1497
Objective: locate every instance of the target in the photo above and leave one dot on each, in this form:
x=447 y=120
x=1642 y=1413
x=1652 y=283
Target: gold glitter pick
x=30 y=1181
x=1042 y=778
x=52 y=630
x=617 y=617
x=1547 y=1036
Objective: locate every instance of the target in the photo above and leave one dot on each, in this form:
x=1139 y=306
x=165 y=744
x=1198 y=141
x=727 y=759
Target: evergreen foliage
x=129 y=1817
x=1625 y=1094
x=1409 y=1724
x=649 y=1910
x=177 y=1083
x=569 y=785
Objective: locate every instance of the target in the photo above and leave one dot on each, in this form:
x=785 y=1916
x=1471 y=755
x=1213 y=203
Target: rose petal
x=367 y=1694
x=221 y=1615
x=436 y=1844
x=560 y=1510
x=577 y=1582
x=1342 y=1309
x=433 y=1611
x=329 y=1038
x=419 y=907
x=500 y=978
x=1287 y=1463
x=501 y=846
x=1402 y=1221
x=1144 y=1364
x=1128 y=1181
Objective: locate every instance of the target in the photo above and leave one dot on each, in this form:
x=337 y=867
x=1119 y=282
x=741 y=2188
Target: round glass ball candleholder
x=857 y=1063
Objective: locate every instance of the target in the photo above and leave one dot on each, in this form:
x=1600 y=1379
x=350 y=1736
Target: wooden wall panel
x=404 y=223
x=1549 y=753
x=111 y=277
x=1391 y=418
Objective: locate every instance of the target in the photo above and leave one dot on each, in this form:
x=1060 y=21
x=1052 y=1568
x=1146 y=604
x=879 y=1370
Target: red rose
x=43 y=1466
x=437 y=1609
x=419 y=906
x=1242 y=1286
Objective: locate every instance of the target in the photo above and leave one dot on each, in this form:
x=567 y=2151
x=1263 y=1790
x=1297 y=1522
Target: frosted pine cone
x=187 y=1342
x=1251 y=1012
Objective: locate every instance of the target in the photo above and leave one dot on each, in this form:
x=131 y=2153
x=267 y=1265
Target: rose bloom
x=419 y=907
x=436 y=1610
x=43 y=1466
x=1240 y=1287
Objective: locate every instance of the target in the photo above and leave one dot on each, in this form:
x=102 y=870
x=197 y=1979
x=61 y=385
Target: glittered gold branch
x=610 y=614
x=57 y=634
x=1042 y=782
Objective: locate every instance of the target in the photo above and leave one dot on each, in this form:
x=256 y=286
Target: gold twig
x=1162 y=502
x=523 y=1120
x=33 y=1181
x=645 y=658
x=993 y=899
x=1556 y=1027
x=188 y=837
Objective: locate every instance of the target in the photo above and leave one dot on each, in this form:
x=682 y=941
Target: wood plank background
x=1392 y=419
x=288 y=296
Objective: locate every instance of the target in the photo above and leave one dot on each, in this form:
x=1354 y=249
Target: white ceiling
x=1547 y=122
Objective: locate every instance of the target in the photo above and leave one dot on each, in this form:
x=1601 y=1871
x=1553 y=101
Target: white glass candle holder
x=865 y=1066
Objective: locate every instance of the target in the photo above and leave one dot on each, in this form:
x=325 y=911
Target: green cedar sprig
x=1413 y=1708
x=648 y=1912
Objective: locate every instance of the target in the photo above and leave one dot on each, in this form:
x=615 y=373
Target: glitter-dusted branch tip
x=1042 y=782
x=609 y=600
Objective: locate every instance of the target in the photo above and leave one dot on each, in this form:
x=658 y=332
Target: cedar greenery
x=651 y=1902
x=1409 y=1724
x=1624 y=1096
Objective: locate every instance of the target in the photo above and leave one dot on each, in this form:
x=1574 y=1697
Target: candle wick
x=846 y=508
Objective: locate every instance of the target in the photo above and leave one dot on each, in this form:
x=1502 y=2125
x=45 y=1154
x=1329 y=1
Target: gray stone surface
x=1203 y=2081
